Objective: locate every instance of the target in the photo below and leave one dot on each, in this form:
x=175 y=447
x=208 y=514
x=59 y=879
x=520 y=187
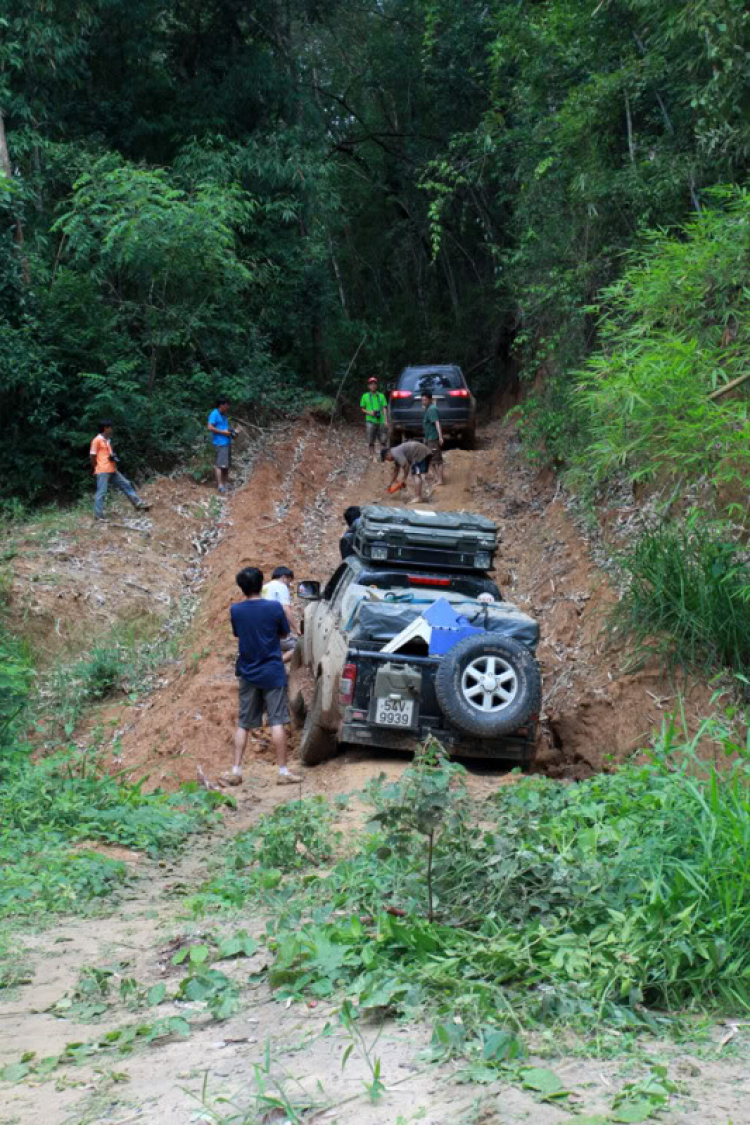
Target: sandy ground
x=293 y=487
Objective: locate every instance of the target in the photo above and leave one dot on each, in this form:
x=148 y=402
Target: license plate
x=394 y=712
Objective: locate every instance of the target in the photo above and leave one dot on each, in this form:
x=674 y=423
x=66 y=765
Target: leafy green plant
x=432 y=797
x=50 y=807
x=686 y=598
x=349 y=1017
x=619 y=902
x=295 y=836
x=674 y=328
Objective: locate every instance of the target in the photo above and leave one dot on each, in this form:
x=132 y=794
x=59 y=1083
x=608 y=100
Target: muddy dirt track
x=289 y=511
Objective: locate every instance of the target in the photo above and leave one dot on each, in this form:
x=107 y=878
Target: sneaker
x=143 y=506
x=222 y=489
x=288 y=779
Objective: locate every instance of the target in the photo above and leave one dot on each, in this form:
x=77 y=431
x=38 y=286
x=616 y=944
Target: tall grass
x=686 y=599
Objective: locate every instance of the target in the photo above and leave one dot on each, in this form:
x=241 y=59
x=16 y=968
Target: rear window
x=470 y=585
x=429 y=380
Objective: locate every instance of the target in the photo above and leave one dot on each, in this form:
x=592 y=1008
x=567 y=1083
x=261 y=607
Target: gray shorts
x=375 y=430
x=288 y=644
x=255 y=700
x=223 y=457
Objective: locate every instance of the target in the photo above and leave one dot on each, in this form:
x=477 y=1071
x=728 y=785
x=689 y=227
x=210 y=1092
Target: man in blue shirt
x=222 y=436
x=259 y=626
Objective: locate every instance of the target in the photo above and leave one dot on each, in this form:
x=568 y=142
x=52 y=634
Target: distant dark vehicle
x=451 y=395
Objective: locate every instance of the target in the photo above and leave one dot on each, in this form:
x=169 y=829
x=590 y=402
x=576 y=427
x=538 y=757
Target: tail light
x=346 y=684
x=421 y=580
x=462 y=393
x=401 y=394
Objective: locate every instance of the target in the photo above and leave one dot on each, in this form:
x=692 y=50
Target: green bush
x=686 y=598
x=624 y=900
x=675 y=327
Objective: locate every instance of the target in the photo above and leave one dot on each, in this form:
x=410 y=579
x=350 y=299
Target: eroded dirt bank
x=290 y=512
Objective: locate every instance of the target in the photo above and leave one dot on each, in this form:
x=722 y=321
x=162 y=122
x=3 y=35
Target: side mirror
x=309 y=591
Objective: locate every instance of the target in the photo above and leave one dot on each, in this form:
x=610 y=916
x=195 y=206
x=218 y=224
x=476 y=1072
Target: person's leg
x=102 y=482
x=125 y=486
x=437 y=464
x=277 y=709
x=416 y=477
x=220 y=469
x=278 y=738
x=240 y=745
x=371 y=431
x=250 y=718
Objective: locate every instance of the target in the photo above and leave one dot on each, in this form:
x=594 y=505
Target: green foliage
x=49 y=808
x=15 y=681
x=618 y=901
x=687 y=598
x=675 y=327
x=295 y=836
x=244 y=202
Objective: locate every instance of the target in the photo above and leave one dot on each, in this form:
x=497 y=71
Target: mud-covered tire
x=317 y=744
x=297 y=675
x=488 y=685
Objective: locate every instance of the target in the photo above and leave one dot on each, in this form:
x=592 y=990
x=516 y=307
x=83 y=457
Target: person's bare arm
x=439 y=430
x=214 y=430
x=290 y=618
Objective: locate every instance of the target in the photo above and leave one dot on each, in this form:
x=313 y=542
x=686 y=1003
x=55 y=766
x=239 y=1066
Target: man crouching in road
x=259 y=626
x=409 y=457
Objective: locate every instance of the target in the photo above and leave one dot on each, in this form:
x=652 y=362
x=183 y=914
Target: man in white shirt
x=278 y=590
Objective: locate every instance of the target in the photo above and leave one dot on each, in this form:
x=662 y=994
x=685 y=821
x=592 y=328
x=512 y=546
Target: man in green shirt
x=433 y=434
x=375 y=407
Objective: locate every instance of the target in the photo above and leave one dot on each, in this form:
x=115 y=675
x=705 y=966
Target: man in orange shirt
x=104 y=465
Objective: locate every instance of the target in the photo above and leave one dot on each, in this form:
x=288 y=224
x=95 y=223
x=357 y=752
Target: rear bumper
x=510 y=748
x=412 y=421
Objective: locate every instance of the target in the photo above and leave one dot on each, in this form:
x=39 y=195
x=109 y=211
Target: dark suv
x=454 y=400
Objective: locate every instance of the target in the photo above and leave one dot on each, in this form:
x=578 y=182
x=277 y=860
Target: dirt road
x=289 y=511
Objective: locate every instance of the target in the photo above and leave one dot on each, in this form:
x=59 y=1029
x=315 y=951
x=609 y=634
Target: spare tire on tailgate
x=488 y=685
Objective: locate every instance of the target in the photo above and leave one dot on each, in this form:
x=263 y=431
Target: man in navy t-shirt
x=259 y=626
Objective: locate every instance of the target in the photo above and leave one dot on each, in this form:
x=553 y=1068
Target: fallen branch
x=729 y=386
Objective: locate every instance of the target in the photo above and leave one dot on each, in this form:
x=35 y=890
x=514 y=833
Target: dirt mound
x=289 y=511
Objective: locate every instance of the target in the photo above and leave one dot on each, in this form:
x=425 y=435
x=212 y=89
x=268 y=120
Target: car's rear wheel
x=488 y=685
x=297 y=675
x=317 y=744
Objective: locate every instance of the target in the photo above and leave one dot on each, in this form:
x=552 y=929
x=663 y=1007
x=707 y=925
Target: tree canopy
x=212 y=196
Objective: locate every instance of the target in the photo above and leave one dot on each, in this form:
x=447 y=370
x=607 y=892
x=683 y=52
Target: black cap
x=283 y=572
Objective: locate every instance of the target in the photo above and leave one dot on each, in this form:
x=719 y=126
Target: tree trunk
x=7 y=170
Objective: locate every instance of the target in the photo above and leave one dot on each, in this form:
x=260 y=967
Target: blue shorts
x=419 y=468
